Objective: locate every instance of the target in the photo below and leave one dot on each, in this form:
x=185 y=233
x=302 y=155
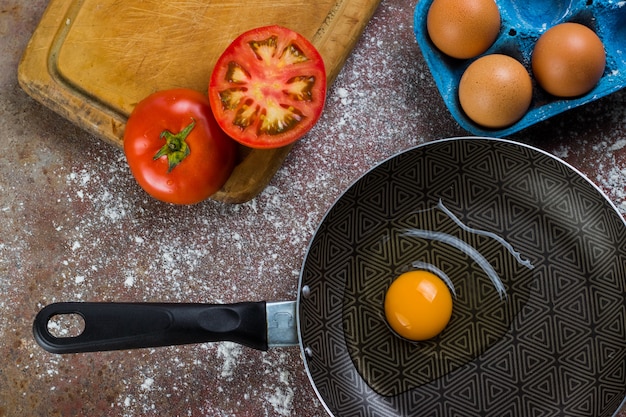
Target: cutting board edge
x=37 y=78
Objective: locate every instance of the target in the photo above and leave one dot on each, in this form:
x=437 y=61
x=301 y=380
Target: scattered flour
x=230 y=353
x=611 y=175
x=615 y=182
x=282 y=397
x=147 y=384
x=122 y=246
x=620 y=144
x=281 y=400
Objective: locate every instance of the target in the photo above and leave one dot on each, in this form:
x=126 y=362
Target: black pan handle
x=120 y=326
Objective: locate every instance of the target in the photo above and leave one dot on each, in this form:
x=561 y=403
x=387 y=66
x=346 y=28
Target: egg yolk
x=418 y=305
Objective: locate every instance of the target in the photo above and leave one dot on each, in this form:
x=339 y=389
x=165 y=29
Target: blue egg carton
x=522 y=23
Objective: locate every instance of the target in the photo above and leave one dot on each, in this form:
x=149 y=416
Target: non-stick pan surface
x=534 y=253
x=548 y=340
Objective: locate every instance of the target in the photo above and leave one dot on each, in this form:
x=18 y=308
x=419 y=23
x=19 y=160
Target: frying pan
x=535 y=255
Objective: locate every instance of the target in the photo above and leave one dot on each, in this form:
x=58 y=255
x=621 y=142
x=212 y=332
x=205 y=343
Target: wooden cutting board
x=92 y=61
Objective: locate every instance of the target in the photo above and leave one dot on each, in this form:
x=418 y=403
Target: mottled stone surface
x=74 y=226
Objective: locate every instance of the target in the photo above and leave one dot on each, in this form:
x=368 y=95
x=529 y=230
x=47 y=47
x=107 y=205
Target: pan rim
x=302 y=285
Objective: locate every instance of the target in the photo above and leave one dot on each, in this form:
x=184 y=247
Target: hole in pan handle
x=121 y=326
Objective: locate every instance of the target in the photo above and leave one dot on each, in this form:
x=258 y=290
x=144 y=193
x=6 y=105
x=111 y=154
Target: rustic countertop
x=76 y=227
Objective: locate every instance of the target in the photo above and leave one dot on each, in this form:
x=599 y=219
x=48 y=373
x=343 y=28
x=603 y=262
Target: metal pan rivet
x=308 y=352
x=306 y=291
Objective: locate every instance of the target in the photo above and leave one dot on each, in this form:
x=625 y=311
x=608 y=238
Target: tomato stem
x=175 y=148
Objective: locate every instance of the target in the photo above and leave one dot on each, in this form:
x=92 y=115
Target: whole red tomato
x=268 y=87
x=175 y=149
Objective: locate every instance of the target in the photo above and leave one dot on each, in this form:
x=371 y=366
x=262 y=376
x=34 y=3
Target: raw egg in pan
x=418 y=305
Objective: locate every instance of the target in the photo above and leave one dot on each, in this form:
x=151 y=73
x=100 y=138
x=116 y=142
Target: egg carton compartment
x=522 y=23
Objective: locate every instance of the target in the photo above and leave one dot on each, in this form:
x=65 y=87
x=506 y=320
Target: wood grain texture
x=92 y=61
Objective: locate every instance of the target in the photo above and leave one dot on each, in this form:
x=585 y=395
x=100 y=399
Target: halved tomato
x=268 y=88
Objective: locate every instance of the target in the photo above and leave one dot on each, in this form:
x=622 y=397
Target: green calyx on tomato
x=268 y=88
x=197 y=157
x=175 y=148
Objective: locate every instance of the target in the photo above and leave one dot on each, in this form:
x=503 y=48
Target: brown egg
x=463 y=28
x=568 y=60
x=495 y=91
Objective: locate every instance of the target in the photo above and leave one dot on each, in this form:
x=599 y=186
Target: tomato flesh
x=175 y=149
x=268 y=88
